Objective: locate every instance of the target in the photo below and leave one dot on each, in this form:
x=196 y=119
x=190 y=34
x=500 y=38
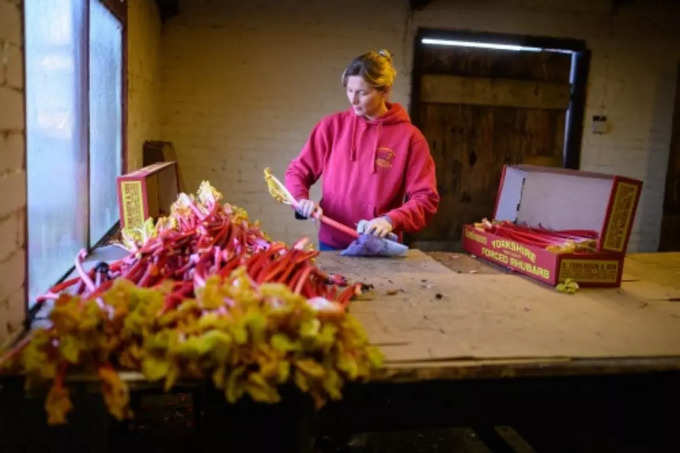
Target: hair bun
x=374 y=66
x=385 y=53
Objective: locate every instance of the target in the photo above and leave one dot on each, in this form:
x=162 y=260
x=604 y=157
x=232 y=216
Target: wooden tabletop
x=452 y=316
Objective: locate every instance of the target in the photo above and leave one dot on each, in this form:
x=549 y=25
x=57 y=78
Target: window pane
x=56 y=138
x=105 y=118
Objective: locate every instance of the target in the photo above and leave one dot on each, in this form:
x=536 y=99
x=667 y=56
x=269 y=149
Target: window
x=105 y=118
x=74 y=131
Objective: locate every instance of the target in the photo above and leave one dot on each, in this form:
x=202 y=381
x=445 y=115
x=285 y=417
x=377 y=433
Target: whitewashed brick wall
x=143 y=78
x=12 y=170
x=244 y=83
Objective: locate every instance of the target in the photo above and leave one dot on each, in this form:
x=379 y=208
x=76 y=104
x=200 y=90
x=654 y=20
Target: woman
x=376 y=165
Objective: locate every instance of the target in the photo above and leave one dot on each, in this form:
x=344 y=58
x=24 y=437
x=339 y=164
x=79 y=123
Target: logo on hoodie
x=384 y=157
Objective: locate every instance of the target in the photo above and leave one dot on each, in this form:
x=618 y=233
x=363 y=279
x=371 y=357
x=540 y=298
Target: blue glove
x=379 y=226
x=369 y=245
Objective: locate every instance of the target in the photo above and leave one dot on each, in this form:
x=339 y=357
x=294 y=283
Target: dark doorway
x=484 y=100
x=670 y=224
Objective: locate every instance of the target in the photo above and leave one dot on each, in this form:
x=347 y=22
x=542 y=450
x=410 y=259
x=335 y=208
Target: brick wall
x=12 y=170
x=143 y=78
x=244 y=82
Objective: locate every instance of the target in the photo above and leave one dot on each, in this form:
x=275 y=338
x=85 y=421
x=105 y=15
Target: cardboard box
x=561 y=199
x=147 y=192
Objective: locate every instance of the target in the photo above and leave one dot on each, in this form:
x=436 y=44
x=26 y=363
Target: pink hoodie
x=370 y=169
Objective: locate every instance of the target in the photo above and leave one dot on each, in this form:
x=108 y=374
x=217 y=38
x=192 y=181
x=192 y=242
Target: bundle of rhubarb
x=202 y=237
x=555 y=241
x=202 y=294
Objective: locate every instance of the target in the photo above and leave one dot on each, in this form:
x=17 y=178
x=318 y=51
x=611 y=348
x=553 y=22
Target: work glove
x=380 y=226
x=306 y=208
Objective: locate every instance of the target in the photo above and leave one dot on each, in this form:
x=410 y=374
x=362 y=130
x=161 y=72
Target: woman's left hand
x=380 y=226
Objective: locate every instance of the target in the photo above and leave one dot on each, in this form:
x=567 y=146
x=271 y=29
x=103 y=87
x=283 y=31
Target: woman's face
x=366 y=100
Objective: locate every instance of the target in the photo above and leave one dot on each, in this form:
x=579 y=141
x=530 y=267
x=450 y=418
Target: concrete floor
x=166 y=423
x=463 y=440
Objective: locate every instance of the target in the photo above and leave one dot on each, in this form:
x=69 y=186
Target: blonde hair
x=375 y=67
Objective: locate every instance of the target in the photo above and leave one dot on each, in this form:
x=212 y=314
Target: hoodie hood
x=368 y=132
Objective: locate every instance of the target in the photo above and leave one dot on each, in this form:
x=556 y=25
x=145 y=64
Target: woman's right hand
x=305 y=208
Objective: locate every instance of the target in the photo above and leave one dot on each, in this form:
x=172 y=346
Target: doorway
x=486 y=100
x=670 y=223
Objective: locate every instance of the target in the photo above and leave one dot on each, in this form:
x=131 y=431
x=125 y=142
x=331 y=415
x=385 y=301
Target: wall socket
x=599 y=124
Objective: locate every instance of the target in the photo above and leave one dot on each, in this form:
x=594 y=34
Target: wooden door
x=480 y=109
x=670 y=224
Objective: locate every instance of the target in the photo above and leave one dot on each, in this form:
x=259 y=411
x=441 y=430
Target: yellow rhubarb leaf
x=301 y=381
x=310 y=328
x=260 y=390
x=332 y=383
x=348 y=364
x=282 y=342
x=69 y=347
x=235 y=386
x=57 y=404
x=310 y=367
x=116 y=393
x=155 y=368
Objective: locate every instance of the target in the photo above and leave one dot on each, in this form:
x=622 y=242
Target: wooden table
x=449 y=315
x=460 y=317
x=469 y=344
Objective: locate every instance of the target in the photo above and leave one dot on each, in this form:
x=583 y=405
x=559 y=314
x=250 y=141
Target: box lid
x=149 y=169
x=564 y=199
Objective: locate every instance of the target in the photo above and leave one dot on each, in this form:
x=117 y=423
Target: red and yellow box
x=561 y=199
x=147 y=192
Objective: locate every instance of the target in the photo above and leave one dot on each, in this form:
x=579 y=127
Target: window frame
x=118 y=8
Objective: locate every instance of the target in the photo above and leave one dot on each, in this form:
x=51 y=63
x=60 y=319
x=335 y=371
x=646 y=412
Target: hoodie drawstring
x=378 y=132
x=353 y=146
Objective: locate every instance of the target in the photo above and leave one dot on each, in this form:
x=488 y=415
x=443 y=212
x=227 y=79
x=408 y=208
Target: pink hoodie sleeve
x=305 y=169
x=422 y=198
